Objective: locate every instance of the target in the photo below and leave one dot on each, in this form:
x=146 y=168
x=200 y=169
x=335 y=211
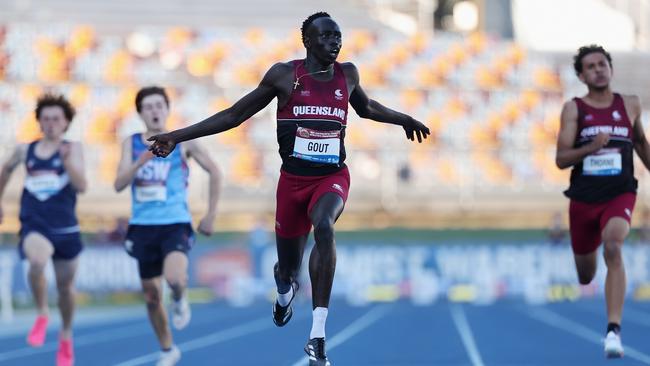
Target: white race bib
x=45 y=185
x=317 y=146
x=151 y=193
x=604 y=162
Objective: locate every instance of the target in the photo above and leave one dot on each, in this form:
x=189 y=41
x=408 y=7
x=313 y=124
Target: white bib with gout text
x=317 y=146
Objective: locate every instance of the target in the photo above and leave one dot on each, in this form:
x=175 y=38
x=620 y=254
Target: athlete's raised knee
x=612 y=253
x=37 y=264
x=324 y=232
x=176 y=281
x=65 y=289
x=615 y=237
x=152 y=298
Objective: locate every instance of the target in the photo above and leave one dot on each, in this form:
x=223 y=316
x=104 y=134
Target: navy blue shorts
x=66 y=246
x=150 y=244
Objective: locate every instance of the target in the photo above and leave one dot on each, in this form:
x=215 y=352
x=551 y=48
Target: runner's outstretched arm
x=371 y=109
x=229 y=118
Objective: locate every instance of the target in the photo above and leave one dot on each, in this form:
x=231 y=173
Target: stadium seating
x=484 y=99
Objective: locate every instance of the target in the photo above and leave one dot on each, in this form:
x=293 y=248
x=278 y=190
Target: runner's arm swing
x=641 y=145
x=567 y=155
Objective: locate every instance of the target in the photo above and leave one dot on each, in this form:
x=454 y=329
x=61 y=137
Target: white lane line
x=629 y=315
x=83 y=340
x=556 y=320
x=351 y=330
x=466 y=335
x=227 y=334
x=82 y=321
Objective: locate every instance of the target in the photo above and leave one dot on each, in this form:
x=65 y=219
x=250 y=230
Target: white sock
x=318 y=323
x=285 y=299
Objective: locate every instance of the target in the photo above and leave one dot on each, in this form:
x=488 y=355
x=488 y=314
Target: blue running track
x=389 y=334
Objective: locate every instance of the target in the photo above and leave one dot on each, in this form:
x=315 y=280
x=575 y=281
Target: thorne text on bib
x=604 y=162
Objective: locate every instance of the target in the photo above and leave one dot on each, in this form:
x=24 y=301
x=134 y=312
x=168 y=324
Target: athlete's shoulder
x=632 y=105
x=569 y=112
x=349 y=67
x=278 y=72
x=280 y=68
x=631 y=99
x=18 y=155
x=570 y=105
x=128 y=140
x=21 y=149
x=350 y=70
x=25 y=147
x=74 y=144
x=285 y=65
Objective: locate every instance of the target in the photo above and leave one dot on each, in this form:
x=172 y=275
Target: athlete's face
x=324 y=40
x=53 y=122
x=154 y=112
x=596 y=71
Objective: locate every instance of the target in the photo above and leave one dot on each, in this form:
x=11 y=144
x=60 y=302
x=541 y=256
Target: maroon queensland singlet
x=311 y=126
x=608 y=172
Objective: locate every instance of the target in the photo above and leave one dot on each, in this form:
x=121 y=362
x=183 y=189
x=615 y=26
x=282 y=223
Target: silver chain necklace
x=297 y=82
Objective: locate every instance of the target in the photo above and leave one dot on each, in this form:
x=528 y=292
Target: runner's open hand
x=163 y=145
x=415 y=128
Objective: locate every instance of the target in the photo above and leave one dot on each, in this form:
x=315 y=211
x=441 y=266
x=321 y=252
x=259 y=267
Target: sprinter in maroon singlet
x=313 y=95
x=597 y=135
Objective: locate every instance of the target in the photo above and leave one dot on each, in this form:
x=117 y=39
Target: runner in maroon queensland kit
x=313 y=96
x=597 y=137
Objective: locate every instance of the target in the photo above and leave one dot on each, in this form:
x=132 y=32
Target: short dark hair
x=55 y=100
x=310 y=19
x=584 y=51
x=147 y=91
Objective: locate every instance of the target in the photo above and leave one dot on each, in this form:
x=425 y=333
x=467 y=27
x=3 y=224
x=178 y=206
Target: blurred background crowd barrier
x=479 y=271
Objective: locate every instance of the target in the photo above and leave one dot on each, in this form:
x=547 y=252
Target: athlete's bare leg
x=290 y=252
x=152 y=289
x=65 y=271
x=38 y=251
x=322 y=261
x=586 y=265
x=175 y=273
x=614 y=235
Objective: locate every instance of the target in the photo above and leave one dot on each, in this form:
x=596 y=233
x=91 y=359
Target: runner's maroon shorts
x=587 y=220
x=297 y=195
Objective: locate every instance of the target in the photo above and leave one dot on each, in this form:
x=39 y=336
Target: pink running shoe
x=36 y=336
x=65 y=354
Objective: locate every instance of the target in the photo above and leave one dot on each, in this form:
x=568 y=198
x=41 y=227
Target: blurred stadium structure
x=481 y=74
